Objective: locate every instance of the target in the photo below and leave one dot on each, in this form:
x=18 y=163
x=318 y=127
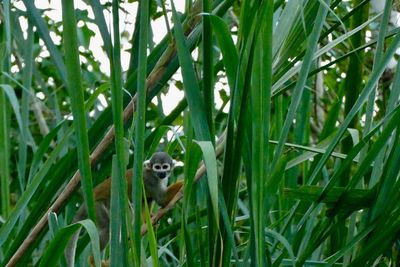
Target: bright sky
x=379 y=5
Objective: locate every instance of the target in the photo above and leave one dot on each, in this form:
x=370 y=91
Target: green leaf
x=191 y=86
x=12 y=98
x=55 y=250
x=75 y=90
x=37 y=179
x=210 y=161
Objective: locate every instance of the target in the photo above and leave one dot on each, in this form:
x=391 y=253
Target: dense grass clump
x=288 y=131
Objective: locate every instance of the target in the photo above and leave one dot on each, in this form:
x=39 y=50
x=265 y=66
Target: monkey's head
x=161 y=164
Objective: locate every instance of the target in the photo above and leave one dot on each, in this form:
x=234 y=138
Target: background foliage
x=293 y=107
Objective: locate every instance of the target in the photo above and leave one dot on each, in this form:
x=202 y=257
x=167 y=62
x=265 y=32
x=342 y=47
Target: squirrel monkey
x=155 y=174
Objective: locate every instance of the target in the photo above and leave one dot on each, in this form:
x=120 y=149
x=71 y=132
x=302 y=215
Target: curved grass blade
x=298 y=90
x=375 y=75
x=230 y=56
x=290 y=73
x=283 y=241
x=55 y=250
x=102 y=25
x=210 y=160
x=12 y=98
x=191 y=86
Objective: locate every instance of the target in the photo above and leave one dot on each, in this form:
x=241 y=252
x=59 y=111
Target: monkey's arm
x=170 y=192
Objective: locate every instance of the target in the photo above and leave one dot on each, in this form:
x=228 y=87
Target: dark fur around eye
x=165 y=166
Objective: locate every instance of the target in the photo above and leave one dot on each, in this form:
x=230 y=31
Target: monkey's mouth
x=162 y=175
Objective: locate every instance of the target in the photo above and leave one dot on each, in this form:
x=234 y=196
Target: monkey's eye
x=165 y=167
x=157 y=167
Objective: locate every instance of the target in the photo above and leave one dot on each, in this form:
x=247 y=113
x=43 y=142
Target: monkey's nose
x=162 y=175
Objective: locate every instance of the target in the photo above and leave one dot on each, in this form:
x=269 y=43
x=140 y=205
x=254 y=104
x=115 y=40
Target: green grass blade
x=4 y=157
x=377 y=57
x=291 y=72
x=57 y=245
x=260 y=109
x=210 y=161
x=191 y=86
x=140 y=121
x=285 y=24
x=75 y=89
x=5 y=51
x=375 y=75
x=284 y=242
x=119 y=239
x=26 y=96
x=298 y=91
x=101 y=23
x=228 y=50
x=118 y=249
x=37 y=20
x=13 y=101
x=355 y=240
x=208 y=68
x=192 y=159
x=151 y=235
x=32 y=187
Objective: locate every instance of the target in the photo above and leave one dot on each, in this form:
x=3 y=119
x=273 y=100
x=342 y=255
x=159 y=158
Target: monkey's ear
x=147 y=165
x=176 y=163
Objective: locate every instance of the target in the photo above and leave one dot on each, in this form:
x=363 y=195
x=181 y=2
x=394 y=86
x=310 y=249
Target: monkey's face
x=162 y=170
x=161 y=165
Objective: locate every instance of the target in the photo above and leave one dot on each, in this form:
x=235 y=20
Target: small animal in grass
x=155 y=174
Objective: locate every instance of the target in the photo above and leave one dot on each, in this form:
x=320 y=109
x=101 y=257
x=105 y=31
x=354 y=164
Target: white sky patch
x=40 y=95
x=159 y=29
x=221 y=84
x=392 y=63
x=55 y=38
x=103 y=100
x=44 y=53
x=14 y=69
x=395 y=18
x=368 y=35
x=378 y=5
x=172 y=98
x=24 y=26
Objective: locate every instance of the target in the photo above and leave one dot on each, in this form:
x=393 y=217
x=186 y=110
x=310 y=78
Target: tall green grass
x=298 y=167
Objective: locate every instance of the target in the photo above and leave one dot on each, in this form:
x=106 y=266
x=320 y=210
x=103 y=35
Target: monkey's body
x=153 y=185
x=155 y=172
